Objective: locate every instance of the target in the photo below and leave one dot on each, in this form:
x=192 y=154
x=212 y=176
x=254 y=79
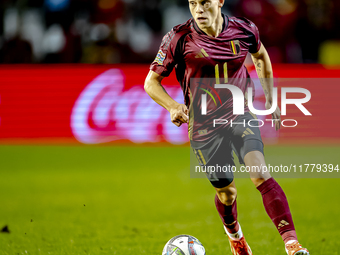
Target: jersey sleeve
x=165 y=59
x=254 y=35
x=255 y=43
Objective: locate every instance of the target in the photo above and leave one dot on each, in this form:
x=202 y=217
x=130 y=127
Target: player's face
x=205 y=12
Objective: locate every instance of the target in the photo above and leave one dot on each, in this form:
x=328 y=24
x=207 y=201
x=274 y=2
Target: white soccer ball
x=183 y=245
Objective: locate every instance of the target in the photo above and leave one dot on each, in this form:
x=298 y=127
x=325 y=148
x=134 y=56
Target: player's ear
x=220 y=3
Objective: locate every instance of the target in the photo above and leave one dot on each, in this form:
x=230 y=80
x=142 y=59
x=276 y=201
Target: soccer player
x=213 y=45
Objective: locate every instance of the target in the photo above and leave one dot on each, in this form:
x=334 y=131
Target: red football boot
x=239 y=246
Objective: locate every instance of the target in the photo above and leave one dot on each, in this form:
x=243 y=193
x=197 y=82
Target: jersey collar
x=224 y=26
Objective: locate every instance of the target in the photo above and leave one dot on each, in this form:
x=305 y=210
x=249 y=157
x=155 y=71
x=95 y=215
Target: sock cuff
x=289 y=236
x=267 y=185
x=237 y=235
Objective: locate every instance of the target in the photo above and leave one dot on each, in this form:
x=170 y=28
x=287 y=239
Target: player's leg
x=256 y=158
x=247 y=144
x=225 y=198
x=218 y=152
x=274 y=199
x=275 y=202
x=223 y=182
x=225 y=201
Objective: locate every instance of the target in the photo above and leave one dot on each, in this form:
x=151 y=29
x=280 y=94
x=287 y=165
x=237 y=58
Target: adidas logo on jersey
x=248 y=131
x=203 y=132
x=202 y=54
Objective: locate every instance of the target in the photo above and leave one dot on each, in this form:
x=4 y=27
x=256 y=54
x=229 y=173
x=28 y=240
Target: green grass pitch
x=132 y=200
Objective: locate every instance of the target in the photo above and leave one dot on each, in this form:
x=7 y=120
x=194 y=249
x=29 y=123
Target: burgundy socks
x=276 y=205
x=228 y=215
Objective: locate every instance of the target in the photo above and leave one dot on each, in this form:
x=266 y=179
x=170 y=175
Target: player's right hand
x=179 y=115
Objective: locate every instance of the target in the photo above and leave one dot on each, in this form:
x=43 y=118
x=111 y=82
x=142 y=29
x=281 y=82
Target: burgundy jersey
x=201 y=61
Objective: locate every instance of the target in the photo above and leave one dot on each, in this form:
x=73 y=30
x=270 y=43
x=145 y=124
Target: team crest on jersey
x=160 y=57
x=235 y=47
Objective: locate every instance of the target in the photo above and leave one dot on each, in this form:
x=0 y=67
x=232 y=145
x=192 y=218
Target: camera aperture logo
x=204 y=102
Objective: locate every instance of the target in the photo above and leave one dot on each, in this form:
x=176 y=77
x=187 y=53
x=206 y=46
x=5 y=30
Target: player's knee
x=254 y=158
x=259 y=180
x=227 y=197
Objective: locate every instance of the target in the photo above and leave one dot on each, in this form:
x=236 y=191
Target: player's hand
x=276 y=115
x=179 y=114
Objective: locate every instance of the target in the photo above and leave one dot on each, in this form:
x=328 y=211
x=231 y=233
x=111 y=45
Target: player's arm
x=178 y=112
x=265 y=73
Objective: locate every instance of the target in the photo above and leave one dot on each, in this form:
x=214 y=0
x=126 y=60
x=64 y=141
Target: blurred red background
x=99 y=104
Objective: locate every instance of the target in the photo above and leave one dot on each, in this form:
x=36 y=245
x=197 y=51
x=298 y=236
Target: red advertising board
x=96 y=104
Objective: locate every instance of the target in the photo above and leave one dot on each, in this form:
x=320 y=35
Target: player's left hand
x=276 y=115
